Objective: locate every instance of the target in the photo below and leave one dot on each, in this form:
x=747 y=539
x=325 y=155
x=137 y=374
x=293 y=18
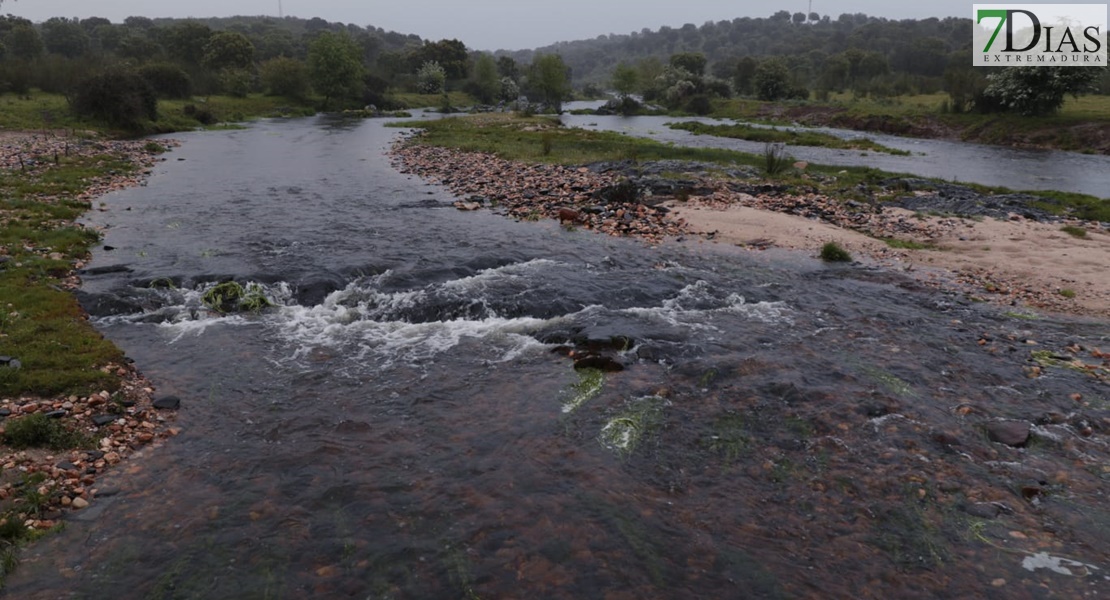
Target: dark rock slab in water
x=108 y=270
x=167 y=403
x=597 y=361
x=106 y=305
x=1010 y=433
x=983 y=510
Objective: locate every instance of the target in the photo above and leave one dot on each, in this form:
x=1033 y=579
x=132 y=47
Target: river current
x=400 y=426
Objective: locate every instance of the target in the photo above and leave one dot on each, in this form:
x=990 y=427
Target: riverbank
x=1025 y=262
x=1080 y=126
x=71 y=405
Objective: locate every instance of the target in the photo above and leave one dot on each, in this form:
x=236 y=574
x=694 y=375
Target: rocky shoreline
x=120 y=423
x=654 y=202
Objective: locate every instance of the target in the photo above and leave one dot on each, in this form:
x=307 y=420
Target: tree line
x=97 y=63
x=779 y=57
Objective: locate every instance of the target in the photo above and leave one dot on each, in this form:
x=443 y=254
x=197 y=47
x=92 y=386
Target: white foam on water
x=695 y=304
x=1056 y=564
x=363 y=318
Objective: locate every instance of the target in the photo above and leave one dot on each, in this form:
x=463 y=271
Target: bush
x=203 y=115
x=118 y=97
x=775 y=158
x=832 y=252
x=168 y=81
x=286 y=77
x=699 y=105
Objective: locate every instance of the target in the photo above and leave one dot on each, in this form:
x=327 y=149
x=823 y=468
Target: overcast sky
x=492 y=24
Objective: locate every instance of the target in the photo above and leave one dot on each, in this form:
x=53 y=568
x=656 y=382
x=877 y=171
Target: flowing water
x=398 y=426
x=1013 y=168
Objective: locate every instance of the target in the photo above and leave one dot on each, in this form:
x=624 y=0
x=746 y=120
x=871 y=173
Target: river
x=401 y=426
x=1017 y=169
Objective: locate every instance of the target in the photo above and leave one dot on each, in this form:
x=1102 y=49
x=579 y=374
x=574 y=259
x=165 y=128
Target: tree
x=450 y=54
x=625 y=80
x=168 y=80
x=1034 y=91
x=228 y=50
x=335 y=66
x=485 y=84
x=692 y=62
x=799 y=18
x=187 y=41
x=743 y=75
x=549 y=77
x=118 y=97
x=507 y=67
x=65 y=37
x=24 y=41
x=431 y=78
x=284 y=76
x=771 y=80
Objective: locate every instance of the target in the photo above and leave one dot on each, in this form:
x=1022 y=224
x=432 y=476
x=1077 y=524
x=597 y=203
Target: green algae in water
x=730 y=438
x=625 y=431
x=589 y=385
x=889 y=382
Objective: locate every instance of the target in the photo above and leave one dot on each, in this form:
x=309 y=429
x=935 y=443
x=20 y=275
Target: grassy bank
x=543 y=140
x=1082 y=125
x=792 y=136
x=40 y=111
x=42 y=324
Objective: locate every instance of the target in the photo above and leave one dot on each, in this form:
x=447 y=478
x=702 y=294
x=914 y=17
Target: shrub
x=775 y=158
x=699 y=105
x=118 y=97
x=431 y=78
x=168 y=81
x=832 y=252
x=203 y=115
x=285 y=76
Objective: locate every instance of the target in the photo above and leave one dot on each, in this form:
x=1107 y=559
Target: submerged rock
x=1010 y=433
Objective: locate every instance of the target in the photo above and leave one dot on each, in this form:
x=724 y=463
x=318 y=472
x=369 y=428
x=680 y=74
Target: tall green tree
x=450 y=54
x=486 y=85
x=693 y=62
x=549 y=78
x=24 y=41
x=187 y=41
x=626 y=80
x=1034 y=91
x=284 y=76
x=228 y=50
x=772 y=80
x=64 y=36
x=335 y=66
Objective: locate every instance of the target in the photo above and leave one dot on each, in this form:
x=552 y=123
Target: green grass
x=542 y=139
x=793 y=137
x=1081 y=124
x=44 y=111
x=40 y=431
x=42 y=324
x=1076 y=232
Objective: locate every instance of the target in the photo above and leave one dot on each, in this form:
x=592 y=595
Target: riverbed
x=405 y=422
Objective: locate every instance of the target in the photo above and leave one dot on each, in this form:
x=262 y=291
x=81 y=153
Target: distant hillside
x=918 y=48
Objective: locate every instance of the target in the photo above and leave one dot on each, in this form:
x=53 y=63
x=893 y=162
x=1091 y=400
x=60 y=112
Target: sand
x=1016 y=262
